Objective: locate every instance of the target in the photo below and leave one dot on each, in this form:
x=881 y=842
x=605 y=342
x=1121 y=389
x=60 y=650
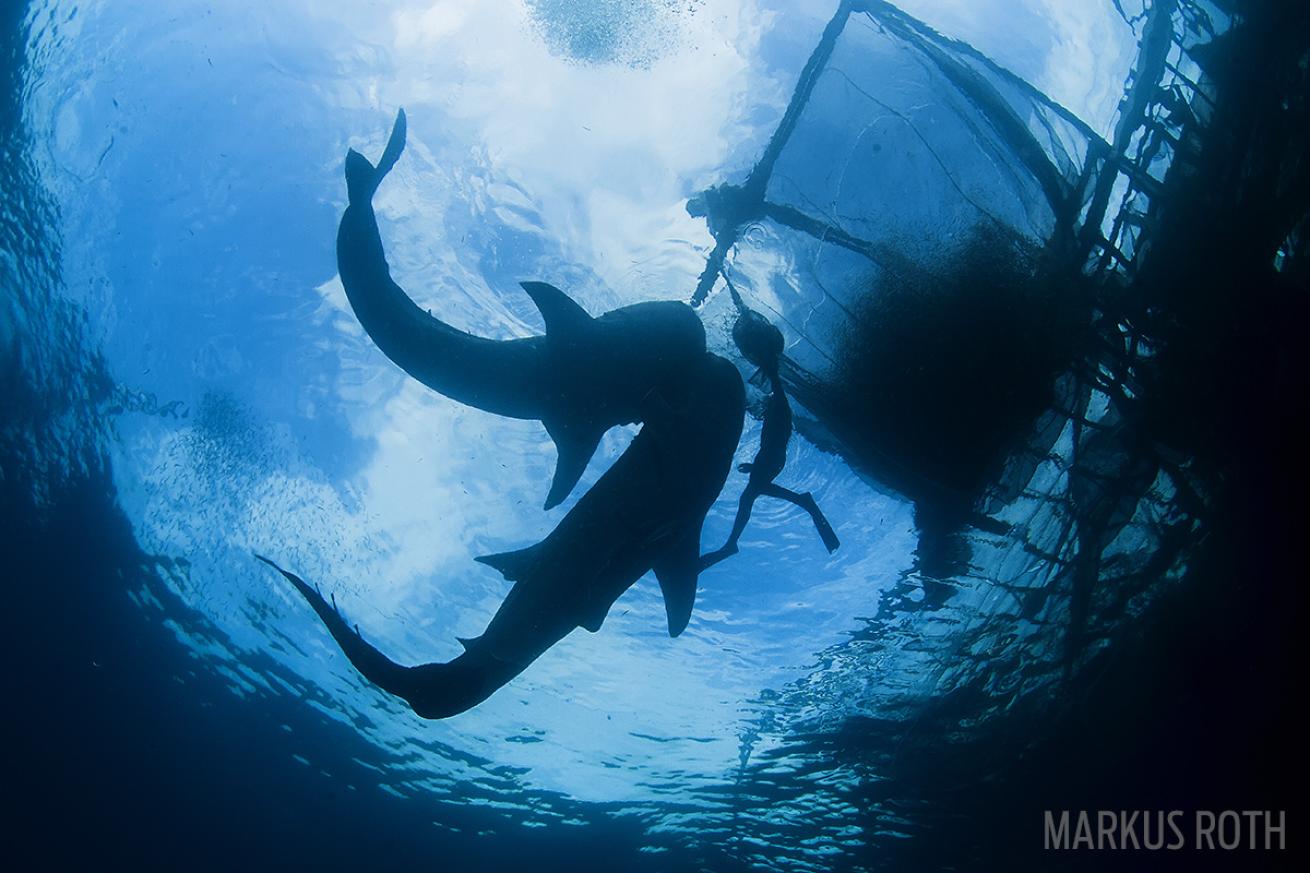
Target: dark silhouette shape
x=645 y=513
x=580 y=379
x=761 y=343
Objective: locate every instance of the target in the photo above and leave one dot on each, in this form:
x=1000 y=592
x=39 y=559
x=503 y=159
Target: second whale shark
x=583 y=377
x=644 y=514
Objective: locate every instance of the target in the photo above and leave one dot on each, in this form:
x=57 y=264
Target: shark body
x=583 y=377
x=644 y=514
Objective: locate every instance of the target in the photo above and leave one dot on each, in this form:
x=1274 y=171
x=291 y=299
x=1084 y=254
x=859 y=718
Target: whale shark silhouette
x=644 y=513
x=580 y=379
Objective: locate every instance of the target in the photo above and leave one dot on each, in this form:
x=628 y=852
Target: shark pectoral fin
x=677 y=571
x=575 y=443
x=567 y=326
x=512 y=565
x=563 y=316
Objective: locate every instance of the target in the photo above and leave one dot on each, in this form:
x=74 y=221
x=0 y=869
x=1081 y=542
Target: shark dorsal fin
x=575 y=443
x=562 y=314
x=677 y=571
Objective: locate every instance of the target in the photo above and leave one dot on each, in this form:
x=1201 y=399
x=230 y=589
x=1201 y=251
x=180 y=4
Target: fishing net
x=981 y=300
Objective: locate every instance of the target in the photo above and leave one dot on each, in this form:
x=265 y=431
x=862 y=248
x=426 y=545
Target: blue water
x=185 y=385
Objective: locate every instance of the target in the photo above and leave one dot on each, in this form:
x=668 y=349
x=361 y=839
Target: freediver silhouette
x=645 y=362
x=645 y=513
x=761 y=343
x=583 y=377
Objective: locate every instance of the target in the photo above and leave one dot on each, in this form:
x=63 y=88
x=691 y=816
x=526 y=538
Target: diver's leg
x=709 y=559
x=806 y=502
x=744 y=506
x=728 y=549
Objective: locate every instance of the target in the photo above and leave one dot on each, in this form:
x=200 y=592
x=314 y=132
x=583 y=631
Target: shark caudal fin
x=362 y=178
x=371 y=663
x=575 y=437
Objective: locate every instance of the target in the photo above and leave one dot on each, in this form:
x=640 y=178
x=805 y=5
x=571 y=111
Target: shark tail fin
x=371 y=663
x=512 y=565
x=362 y=178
